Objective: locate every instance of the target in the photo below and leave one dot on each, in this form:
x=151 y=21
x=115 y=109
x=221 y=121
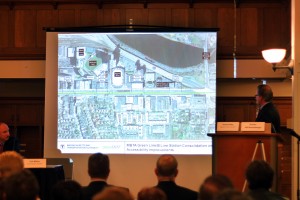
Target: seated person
x=7 y=142
x=232 y=194
x=10 y=162
x=98 y=170
x=259 y=175
x=166 y=172
x=151 y=193
x=213 y=185
x=21 y=186
x=113 y=193
x=66 y=190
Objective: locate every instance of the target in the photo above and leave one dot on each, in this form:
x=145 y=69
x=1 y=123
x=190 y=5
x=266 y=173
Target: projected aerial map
x=136 y=87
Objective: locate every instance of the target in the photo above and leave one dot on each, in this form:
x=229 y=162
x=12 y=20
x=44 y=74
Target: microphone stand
x=294 y=134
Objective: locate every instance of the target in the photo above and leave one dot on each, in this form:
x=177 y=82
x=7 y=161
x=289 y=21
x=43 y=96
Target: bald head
x=4 y=132
x=166 y=166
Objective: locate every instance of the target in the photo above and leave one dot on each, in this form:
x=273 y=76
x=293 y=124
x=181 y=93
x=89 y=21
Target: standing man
x=267 y=111
x=7 y=143
x=166 y=172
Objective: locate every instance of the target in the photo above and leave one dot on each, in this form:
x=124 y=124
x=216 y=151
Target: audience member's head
x=67 y=190
x=10 y=162
x=113 y=193
x=232 y=194
x=21 y=186
x=98 y=166
x=4 y=132
x=259 y=175
x=166 y=167
x=213 y=185
x=151 y=193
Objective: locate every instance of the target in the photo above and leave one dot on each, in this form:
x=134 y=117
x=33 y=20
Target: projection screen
x=136 y=92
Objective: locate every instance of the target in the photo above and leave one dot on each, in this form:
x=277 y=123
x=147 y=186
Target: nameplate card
x=228 y=126
x=35 y=163
x=253 y=126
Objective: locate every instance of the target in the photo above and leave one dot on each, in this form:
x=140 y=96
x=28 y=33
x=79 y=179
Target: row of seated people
x=19 y=183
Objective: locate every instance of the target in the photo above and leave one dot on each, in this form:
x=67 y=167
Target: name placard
x=35 y=163
x=253 y=126
x=228 y=126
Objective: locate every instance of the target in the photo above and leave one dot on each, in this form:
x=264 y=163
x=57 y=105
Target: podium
x=233 y=152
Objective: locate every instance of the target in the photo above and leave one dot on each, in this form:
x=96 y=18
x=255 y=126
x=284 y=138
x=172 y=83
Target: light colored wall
x=137 y=171
x=227 y=85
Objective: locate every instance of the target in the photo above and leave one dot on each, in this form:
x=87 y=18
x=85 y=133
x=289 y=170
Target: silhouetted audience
x=98 y=170
x=113 y=193
x=151 y=193
x=166 y=172
x=259 y=175
x=232 y=194
x=213 y=185
x=66 y=190
x=21 y=186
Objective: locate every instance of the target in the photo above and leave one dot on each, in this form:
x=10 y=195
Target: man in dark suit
x=98 y=170
x=267 y=111
x=166 y=172
x=7 y=143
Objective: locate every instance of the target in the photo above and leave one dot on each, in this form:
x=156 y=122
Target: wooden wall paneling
x=7 y=114
x=45 y=18
x=25 y=119
x=236 y=109
x=284 y=106
x=285 y=112
x=244 y=109
x=121 y=13
x=248 y=37
x=25 y=28
x=286 y=26
x=191 y=18
x=66 y=17
x=24 y=39
x=235 y=113
x=249 y=27
x=4 y=21
x=111 y=16
x=180 y=17
x=205 y=18
x=168 y=16
x=272 y=27
x=136 y=15
x=225 y=21
x=29 y=114
x=31 y=141
x=156 y=16
x=89 y=16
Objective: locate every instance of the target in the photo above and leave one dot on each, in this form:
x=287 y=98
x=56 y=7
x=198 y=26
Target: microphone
x=294 y=134
x=273 y=128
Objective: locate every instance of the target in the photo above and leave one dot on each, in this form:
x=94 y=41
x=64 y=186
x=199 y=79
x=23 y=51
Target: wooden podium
x=233 y=151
